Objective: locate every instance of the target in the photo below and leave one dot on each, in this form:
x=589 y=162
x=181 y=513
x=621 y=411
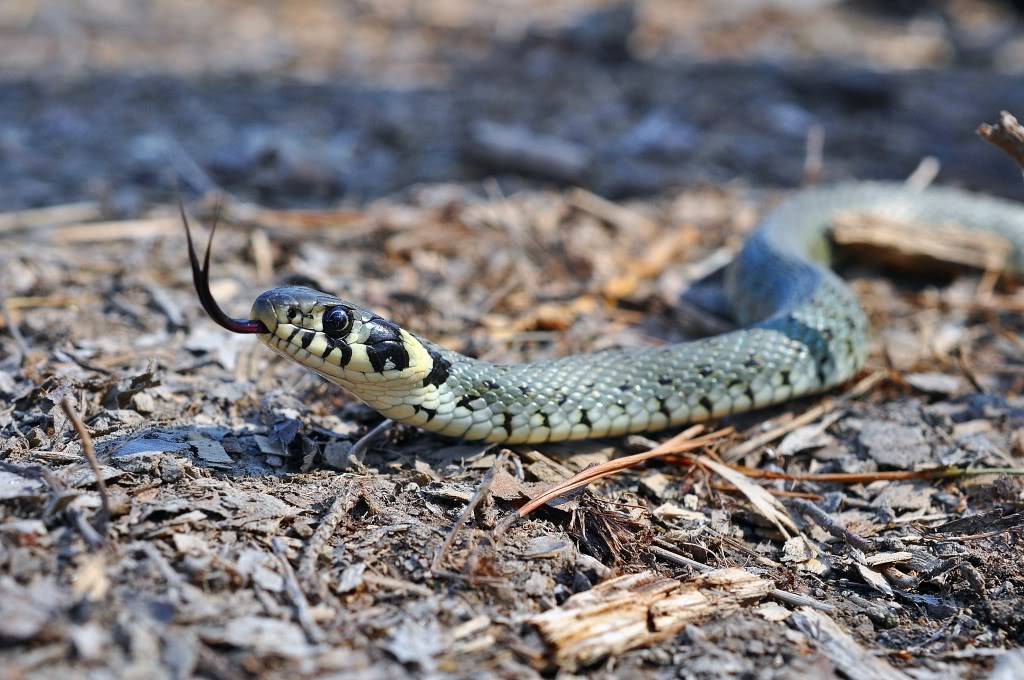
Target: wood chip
x=638 y=610
x=920 y=247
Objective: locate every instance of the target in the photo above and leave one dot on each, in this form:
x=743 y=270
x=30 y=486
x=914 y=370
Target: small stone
x=537 y=585
x=37 y=438
x=141 y=448
x=351 y=578
x=89 y=641
x=547 y=546
x=669 y=511
x=143 y=402
x=212 y=453
x=591 y=565
x=772 y=611
x=656 y=484
x=935 y=383
x=338 y=454
x=903 y=447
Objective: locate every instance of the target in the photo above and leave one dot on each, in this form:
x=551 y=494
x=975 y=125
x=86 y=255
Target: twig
x=782 y=595
x=778 y=493
x=823 y=520
x=814 y=154
x=323 y=533
x=295 y=594
x=364 y=443
x=89 y=451
x=967 y=369
x=397 y=584
x=824 y=406
x=680 y=443
x=924 y=174
x=681 y=560
x=733 y=543
x=798 y=600
x=38 y=218
x=173 y=580
x=514 y=148
x=478 y=497
x=263 y=255
x=12 y=327
x=122 y=230
x=1007 y=134
x=868 y=477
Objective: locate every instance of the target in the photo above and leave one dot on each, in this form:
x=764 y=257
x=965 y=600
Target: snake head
x=342 y=341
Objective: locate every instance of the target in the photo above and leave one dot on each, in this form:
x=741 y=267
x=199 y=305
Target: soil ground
x=514 y=180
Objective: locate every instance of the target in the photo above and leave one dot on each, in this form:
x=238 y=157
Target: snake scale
x=804 y=332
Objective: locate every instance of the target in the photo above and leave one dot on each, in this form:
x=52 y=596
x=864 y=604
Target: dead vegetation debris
x=174 y=501
x=420 y=553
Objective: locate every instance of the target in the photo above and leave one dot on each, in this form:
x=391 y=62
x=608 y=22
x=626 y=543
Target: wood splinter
x=639 y=610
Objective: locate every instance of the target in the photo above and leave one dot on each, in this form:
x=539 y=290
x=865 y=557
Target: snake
x=801 y=331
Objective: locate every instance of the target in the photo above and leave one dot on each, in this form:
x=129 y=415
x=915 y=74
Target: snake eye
x=336 y=321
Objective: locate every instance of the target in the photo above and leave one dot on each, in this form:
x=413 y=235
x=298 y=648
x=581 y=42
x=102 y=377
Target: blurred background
x=314 y=102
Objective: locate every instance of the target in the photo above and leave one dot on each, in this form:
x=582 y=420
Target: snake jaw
x=201 y=281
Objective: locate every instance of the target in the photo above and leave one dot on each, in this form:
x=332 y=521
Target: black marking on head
x=621 y=403
x=440 y=369
x=733 y=383
x=507 y=424
x=625 y=387
x=465 y=400
x=328 y=349
x=752 y=362
x=294 y=332
x=381 y=353
x=524 y=390
x=376 y=360
x=664 y=381
x=307 y=338
x=562 y=398
x=381 y=330
x=663 y=407
x=750 y=393
x=346 y=353
x=490 y=384
x=705 y=370
x=784 y=375
x=544 y=420
x=821 y=372
x=706 y=403
x=584 y=418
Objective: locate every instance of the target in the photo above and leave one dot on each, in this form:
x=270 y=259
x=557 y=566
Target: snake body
x=804 y=332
